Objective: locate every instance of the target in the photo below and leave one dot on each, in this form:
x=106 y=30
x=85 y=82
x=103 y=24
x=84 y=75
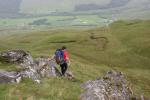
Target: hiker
x=62 y=58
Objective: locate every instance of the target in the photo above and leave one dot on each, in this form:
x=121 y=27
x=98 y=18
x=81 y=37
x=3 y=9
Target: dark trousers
x=64 y=67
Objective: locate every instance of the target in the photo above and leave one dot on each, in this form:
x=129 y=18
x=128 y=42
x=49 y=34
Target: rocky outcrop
x=113 y=86
x=9 y=77
x=34 y=69
x=46 y=68
x=15 y=56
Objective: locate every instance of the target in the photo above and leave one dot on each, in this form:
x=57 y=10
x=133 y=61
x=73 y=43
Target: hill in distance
x=38 y=7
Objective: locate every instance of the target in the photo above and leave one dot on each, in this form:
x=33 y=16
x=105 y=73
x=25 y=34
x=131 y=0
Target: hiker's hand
x=49 y=59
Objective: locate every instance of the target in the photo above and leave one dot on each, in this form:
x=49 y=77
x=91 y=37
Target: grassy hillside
x=123 y=46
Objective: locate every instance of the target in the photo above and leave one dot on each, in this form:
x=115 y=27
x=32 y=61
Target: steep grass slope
x=123 y=46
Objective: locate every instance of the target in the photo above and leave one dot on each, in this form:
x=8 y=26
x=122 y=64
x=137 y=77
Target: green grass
x=123 y=46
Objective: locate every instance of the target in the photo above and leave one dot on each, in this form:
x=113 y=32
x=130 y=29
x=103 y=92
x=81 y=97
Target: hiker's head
x=63 y=47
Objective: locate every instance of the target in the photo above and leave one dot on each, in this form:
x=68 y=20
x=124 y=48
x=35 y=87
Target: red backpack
x=66 y=55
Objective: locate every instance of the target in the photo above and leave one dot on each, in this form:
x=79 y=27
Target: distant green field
x=122 y=46
x=14 y=22
x=80 y=20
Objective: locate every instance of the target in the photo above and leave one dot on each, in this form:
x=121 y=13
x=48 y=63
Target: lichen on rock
x=113 y=86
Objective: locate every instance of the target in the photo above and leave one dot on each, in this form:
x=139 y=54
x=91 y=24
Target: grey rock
x=15 y=56
x=69 y=75
x=46 y=68
x=40 y=67
x=9 y=77
x=113 y=86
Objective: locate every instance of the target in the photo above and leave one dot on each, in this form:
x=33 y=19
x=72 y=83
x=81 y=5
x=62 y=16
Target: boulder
x=9 y=77
x=113 y=86
x=46 y=67
x=13 y=56
x=24 y=59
